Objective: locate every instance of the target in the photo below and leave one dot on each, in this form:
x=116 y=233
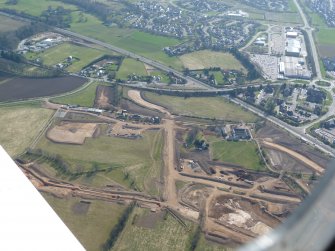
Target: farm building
x=241 y=133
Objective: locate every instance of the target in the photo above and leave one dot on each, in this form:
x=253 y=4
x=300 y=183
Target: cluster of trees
x=114 y=234
x=98 y=9
x=58 y=163
x=9 y=40
x=12 y=56
x=195 y=239
x=191 y=136
x=253 y=74
x=63 y=167
x=310 y=59
x=24 y=69
x=58 y=16
x=11 y=2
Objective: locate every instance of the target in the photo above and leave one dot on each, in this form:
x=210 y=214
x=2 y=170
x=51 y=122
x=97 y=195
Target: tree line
x=118 y=228
x=253 y=74
x=98 y=9
x=9 y=40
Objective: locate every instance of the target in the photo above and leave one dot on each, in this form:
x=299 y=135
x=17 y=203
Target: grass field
x=60 y=53
x=131 y=66
x=166 y=235
x=204 y=245
x=206 y=59
x=326 y=36
x=241 y=153
x=142 y=43
x=218 y=77
x=9 y=24
x=213 y=107
x=140 y=158
x=91 y=228
x=162 y=75
x=34 y=7
x=20 y=125
x=83 y=98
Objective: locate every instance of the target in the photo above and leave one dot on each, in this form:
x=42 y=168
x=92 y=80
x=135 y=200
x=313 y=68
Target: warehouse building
x=293 y=47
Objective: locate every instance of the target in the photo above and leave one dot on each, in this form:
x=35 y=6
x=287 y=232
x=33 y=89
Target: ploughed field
x=25 y=88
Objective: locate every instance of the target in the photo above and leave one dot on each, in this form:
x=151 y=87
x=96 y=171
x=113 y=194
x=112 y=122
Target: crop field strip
x=25 y=123
x=28 y=88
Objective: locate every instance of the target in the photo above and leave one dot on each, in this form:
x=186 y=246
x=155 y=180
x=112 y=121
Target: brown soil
x=283 y=161
x=281 y=137
x=134 y=108
x=81 y=207
x=311 y=164
x=136 y=97
x=71 y=133
x=150 y=219
x=240 y=212
x=103 y=98
x=24 y=88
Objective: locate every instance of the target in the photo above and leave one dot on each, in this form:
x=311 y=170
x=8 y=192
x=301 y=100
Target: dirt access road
x=171 y=174
x=170 y=193
x=314 y=166
x=137 y=98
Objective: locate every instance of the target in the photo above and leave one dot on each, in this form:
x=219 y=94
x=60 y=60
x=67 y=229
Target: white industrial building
x=293 y=47
x=293 y=67
x=291 y=34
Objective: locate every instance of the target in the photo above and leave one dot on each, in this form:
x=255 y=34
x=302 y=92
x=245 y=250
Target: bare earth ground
x=71 y=133
x=295 y=155
x=103 y=94
x=281 y=137
x=135 y=108
x=136 y=97
x=236 y=208
x=259 y=222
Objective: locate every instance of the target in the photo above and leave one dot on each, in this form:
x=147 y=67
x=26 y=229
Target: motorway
x=145 y=60
x=298 y=132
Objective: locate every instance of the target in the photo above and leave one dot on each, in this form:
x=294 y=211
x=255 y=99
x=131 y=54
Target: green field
x=91 y=228
x=213 y=107
x=325 y=39
x=326 y=36
x=166 y=235
x=162 y=75
x=9 y=24
x=20 y=125
x=142 y=43
x=33 y=7
x=218 y=77
x=140 y=158
x=323 y=83
x=205 y=245
x=241 y=153
x=60 y=53
x=205 y=59
x=131 y=66
x=83 y=98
